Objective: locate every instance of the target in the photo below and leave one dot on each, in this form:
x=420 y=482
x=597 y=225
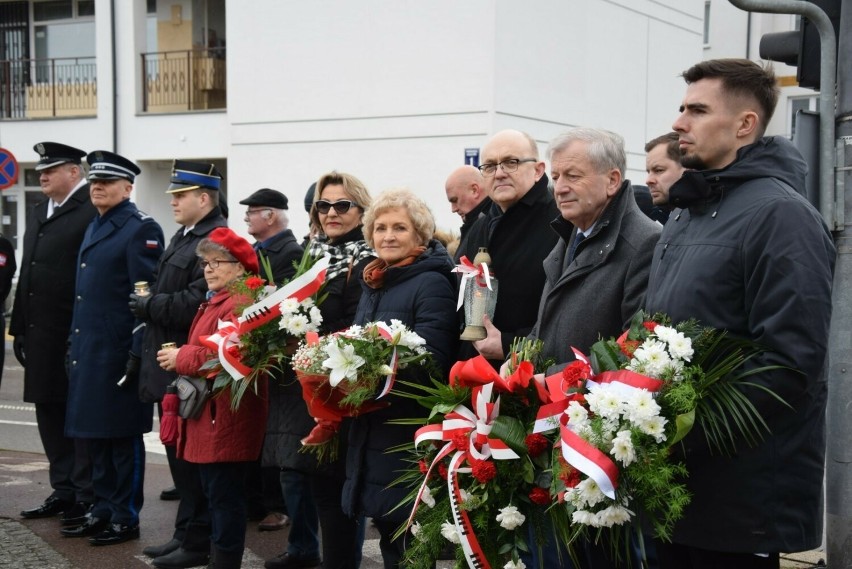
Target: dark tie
x=573 y=251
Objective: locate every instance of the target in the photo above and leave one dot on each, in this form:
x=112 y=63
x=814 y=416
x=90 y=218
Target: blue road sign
x=8 y=169
x=471 y=157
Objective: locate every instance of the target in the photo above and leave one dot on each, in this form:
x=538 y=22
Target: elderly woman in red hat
x=221 y=441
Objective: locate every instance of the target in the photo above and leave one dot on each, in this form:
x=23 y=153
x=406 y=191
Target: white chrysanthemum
x=578 y=416
x=607 y=404
x=288 y=306
x=641 y=405
x=411 y=340
x=354 y=331
x=680 y=347
x=590 y=492
x=343 y=363
x=665 y=333
x=450 y=532
x=308 y=303
x=653 y=356
x=583 y=517
x=297 y=325
x=316 y=315
x=510 y=518
x=655 y=427
x=613 y=515
x=622 y=448
x=515 y=565
x=415 y=531
x=465 y=496
x=427 y=497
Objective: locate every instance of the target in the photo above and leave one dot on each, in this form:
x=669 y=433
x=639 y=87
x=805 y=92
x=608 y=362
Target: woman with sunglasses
x=221 y=441
x=337 y=210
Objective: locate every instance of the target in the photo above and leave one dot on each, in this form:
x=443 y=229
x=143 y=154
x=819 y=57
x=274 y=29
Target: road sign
x=471 y=157
x=8 y=169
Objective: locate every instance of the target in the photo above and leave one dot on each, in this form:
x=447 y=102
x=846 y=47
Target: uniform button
x=74 y=363
x=82 y=265
x=41 y=234
x=77 y=331
x=32 y=263
x=79 y=297
x=31 y=294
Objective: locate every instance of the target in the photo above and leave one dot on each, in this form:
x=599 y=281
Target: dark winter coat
x=604 y=286
x=750 y=255
x=119 y=248
x=44 y=300
x=281 y=250
x=422 y=296
x=219 y=434
x=518 y=241
x=178 y=290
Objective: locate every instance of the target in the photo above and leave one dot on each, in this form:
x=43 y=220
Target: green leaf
x=605 y=356
x=684 y=422
x=511 y=431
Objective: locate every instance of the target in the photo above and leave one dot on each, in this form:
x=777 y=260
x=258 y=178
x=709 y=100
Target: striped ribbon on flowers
x=384 y=332
x=300 y=288
x=227 y=336
x=477 y=426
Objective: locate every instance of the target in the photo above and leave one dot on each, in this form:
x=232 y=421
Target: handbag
x=193 y=393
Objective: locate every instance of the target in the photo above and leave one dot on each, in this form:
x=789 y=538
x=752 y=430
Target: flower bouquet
x=271 y=322
x=481 y=479
x=631 y=401
x=341 y=375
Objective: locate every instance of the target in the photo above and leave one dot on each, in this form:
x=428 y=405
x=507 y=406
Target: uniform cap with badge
x=105 y=165
x=54 y=153
x=188 y=175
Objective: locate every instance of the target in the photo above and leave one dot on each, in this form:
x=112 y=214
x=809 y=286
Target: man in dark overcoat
x=121 y=246
x=288 y=421
x=41 y=319
x=516 y=231
x=177 y=291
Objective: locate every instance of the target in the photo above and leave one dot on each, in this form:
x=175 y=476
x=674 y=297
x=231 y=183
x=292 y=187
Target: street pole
x=838 y=474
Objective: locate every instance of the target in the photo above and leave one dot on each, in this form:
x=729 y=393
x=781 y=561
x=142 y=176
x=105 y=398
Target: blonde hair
x=401 y=198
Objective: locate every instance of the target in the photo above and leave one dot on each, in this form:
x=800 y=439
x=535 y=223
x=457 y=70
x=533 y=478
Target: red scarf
x=374 y=272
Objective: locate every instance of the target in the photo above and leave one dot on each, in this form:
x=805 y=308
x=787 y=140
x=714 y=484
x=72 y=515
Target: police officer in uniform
x=168 y=312
x=121 y=246
x=41 y=318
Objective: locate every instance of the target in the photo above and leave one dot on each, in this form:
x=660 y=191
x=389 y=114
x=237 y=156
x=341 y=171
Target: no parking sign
x=8 y=169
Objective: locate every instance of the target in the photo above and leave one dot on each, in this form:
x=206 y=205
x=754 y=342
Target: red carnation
x=254 y=282
x=536 y=444
x=539 y=496
x=234 y=351
x=628 y=347
x=424 y=468
x=483 y=470
x=461 y=441
x=567 y=474
x=575 y=372
x=442 y=470
x=650 y=326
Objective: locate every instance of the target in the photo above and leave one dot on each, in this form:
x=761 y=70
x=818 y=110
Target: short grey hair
x=605 y=148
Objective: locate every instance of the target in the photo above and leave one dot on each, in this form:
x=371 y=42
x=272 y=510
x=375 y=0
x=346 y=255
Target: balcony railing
x=183 y=80
x=46 y=88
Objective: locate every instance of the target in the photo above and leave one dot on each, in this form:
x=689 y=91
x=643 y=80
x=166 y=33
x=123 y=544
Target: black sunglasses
x=340 y=206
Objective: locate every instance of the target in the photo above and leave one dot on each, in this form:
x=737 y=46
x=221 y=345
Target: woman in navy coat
x=411 y=281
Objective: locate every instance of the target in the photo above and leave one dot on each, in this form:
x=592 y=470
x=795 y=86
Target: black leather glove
x=131 y=370
x=18 y=346
x=139 y=306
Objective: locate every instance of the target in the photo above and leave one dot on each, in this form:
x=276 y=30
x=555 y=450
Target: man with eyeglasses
x=288 y=420
x=516 y=231
x=177 y=291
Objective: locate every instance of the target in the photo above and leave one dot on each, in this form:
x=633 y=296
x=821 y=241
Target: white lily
x=343 y=363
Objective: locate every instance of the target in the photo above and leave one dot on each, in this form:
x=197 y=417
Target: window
x=64 y=28
x=707 y=23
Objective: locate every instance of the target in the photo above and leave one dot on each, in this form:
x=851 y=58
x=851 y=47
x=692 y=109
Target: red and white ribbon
x=467 y=536
x=589 y=460
x=470 y=271
x=384 y=332
x=300 y=288
x=227 y=336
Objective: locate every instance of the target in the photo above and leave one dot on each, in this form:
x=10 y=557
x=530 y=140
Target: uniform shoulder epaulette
x=142 y=215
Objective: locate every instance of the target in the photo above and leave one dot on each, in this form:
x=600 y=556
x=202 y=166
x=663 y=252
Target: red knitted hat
x=236 y=246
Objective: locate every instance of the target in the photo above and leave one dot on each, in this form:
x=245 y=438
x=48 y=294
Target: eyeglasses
x=214 y=264
x=340 y=206
x=507 y=166
x=251 y=211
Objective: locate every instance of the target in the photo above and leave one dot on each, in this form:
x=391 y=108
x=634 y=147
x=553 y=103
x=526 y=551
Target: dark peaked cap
x=265 y=197
x=188 y=175
x=53 y=154
x=105 y=165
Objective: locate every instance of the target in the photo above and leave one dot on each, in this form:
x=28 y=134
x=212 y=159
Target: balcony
x=48 y=88
x=176 y=81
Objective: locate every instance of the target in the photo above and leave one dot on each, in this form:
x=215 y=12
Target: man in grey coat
x=597 y=274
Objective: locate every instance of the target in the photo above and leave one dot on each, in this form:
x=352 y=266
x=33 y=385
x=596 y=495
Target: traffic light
x=801 y=48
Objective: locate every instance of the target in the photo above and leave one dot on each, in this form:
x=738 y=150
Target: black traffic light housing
x=801 y=48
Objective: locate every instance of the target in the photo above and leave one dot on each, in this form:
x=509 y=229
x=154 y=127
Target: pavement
x=37 y=544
